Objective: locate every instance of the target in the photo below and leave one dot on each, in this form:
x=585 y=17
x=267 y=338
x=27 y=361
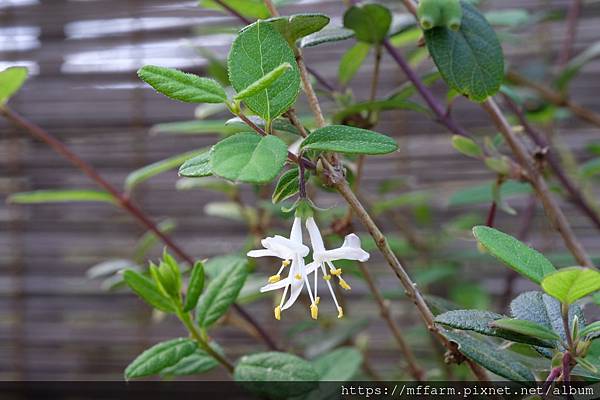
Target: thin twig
x=552 y=209
x=120 y=199
x=571 y=33
x=537 y=137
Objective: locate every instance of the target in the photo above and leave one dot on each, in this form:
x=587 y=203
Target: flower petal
x=284 y=248
x=315 y=235
x=296 y=284
x=261 y=253
x=274 y=286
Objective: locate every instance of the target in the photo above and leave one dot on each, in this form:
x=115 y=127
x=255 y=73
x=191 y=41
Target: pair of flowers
x=293 y=251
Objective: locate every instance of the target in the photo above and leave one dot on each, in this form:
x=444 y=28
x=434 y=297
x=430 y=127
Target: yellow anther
x=317 y=300
x=314 y=311
x=336 y=272
x=340 y=312
x=277 y=312
x=327 y=277
x=298 y=276
x=285 y=263
x=344 y=284
x=274 y=278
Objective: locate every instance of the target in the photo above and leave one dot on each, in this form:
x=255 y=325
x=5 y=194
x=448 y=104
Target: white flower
x=350 y=250
x=292 y=251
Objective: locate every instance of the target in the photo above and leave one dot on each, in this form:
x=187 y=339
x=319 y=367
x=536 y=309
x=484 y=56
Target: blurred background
x=58 y=323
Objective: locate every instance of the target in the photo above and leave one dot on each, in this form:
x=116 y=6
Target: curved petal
x=315 y=236
x=274 y=286
x=261 y=253
x=296 y=284
x=284 y=247
x=350 y=250
x=312 y=267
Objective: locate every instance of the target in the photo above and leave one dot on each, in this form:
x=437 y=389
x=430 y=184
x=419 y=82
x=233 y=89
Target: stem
x=552 y=209
x=566 y=368
x=313 y=101
x=565 y=320
x=301 y=181
x=193 y=330
x=491 y=215
x=384 y=310
x=572 y=20
x=124 y=202
x=554 y=163
x=554 y=373
x=271 y=7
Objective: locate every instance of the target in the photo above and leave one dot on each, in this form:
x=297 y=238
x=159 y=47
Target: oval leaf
x=220 y=294
x=339 y=365
x=196 y=167
x=196 y=363
x=352 y=60
x=60 y=196
x=466 y=146
x=349 y=140
x=514 y=253
x=287 y=186
x=247 y=157
x=591 y=331
x=571 y=284
x=195 y=287
x=11 y=80
x=264 y=82
x=298 y=26
x=525 y=327
x=148 y=291
x=276 y=374
x=470 y=59
x=256 y=51
x=159 y=357
x=327 y=35
x=182 y=86
x=370 y=22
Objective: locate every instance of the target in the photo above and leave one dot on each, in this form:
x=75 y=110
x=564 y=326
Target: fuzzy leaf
x=160 y=357
x=247 y=8
x=482 y=194
x=327 y=35
x=196 y=363
x=466 y=146
x=264 y=82
x=525 y=327
x=571 y=284
x=220 y=293
x=298 y=26
x=60 y=196
x=196 y=167
x=470 y=59
x=349 y=140
x=247 y=157
x=143 y=174
x=352 y=60
x=339 y=365
x=591 y=331
x=257 y=50
x=287 y=186
x=280 y=375
x=497 y=360
x=11 y=80
x=370 y=22
x=182 y=86
x=195 y=287
x=148 y=291
x=514 y=253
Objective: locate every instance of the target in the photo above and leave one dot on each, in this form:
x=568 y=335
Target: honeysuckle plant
x=293 y=158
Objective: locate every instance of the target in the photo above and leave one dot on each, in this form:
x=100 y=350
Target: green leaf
x=214 y=266
x=511 y=17
x=525 y=327
x=514 y=253
x=571 y=284
x=483 y=194
x=287 y=186
x=60 y=196
x=496 y=359
x=327 y=35
x=263 y=83
x=370 y=22
x=470 y=59
x=182 y=86
x=195 y=287
x=196 y=128
x=466 y=146
x=394 y=103
x=298 y=26
x=352 y=60
x=143 y=174
x=220 y=293
x=247 y=8
x=159 y=357
x=247 y=157
x=591 y=331
x=544 y=310
x=482 y=322
x=349 y=140
x=196 y=363
x=11 y=80
x=224 y=209
x=590 y=168
x=275 y=374
x=341 y=364
x=148 y=291
x=575 y=65
x=318 y=343
x=196 y=167
x=256 y=51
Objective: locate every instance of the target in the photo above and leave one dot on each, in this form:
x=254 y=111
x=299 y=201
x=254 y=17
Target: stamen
x=344 y=284
x=277 y=312
x=336 y=272
x=274 y=278
x=327 y=277
x=298 y=276
x=340 y=312
x=285 y=263
x=314 y=311
x=317 y=300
